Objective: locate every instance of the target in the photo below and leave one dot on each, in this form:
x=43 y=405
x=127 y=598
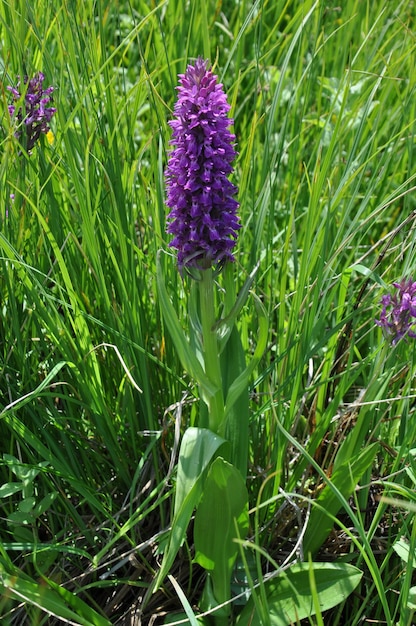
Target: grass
x=93 y=396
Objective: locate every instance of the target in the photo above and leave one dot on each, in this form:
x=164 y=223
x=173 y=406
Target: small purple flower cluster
x=398 y=315
x=203 y=218
x=35 y=114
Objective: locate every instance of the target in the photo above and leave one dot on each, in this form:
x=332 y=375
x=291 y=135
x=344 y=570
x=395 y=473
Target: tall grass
x=93 y=397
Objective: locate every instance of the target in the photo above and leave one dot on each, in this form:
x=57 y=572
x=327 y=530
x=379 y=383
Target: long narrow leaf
x=184 y=351
x=345 y=479
x=55 y=601
x=241 y=381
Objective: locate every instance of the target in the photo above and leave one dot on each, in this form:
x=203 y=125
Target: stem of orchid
x=210 y=349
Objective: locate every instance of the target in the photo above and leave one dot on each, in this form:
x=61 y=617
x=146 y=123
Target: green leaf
x=25 y=473
x=199 y=446
x=51 y=598
x=241 y=382
x=184 y=350
x=17 y=467
x=26 y=505
x=219 y=614
x=411 y=601
x=183 y=619
x=368 y=273
x=86 y=615
x=221 y=518
x=20 y=517
x=45 y=503
x=330 y=500
x=236 y=427
x=189 y=614
x=225 y=325
x=402 y=549
x=290 y=598
x=8 y=489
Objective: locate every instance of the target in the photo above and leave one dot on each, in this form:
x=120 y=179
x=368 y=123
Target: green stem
x=210 y=348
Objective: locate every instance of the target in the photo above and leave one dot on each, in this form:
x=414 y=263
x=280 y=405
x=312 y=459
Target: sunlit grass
x=323 y=97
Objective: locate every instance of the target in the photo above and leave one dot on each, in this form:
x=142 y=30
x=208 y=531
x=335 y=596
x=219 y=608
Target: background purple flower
x=398 y=315
x=203 y=218
x=33 y=112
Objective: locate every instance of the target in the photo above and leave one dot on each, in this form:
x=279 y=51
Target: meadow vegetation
x=95 y=400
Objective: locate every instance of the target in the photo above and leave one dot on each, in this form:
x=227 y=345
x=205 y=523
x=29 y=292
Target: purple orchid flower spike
x=203 y=218
x=398 y=314
x=34 y=112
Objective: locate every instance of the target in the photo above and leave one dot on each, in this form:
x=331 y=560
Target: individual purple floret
x=203 y=218
x=33 y=111
x=398 y=315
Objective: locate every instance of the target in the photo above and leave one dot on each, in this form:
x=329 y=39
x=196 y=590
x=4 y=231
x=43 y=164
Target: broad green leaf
x=411 y=601
x=45 y=503
x=402 y=549
x=221 y=518
x=343 y=482
x=289 y=595
x=245 y=570
x=219 y=614
x=20 y=517
x=199 y=446
x=8 y=489
x=27 y=504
